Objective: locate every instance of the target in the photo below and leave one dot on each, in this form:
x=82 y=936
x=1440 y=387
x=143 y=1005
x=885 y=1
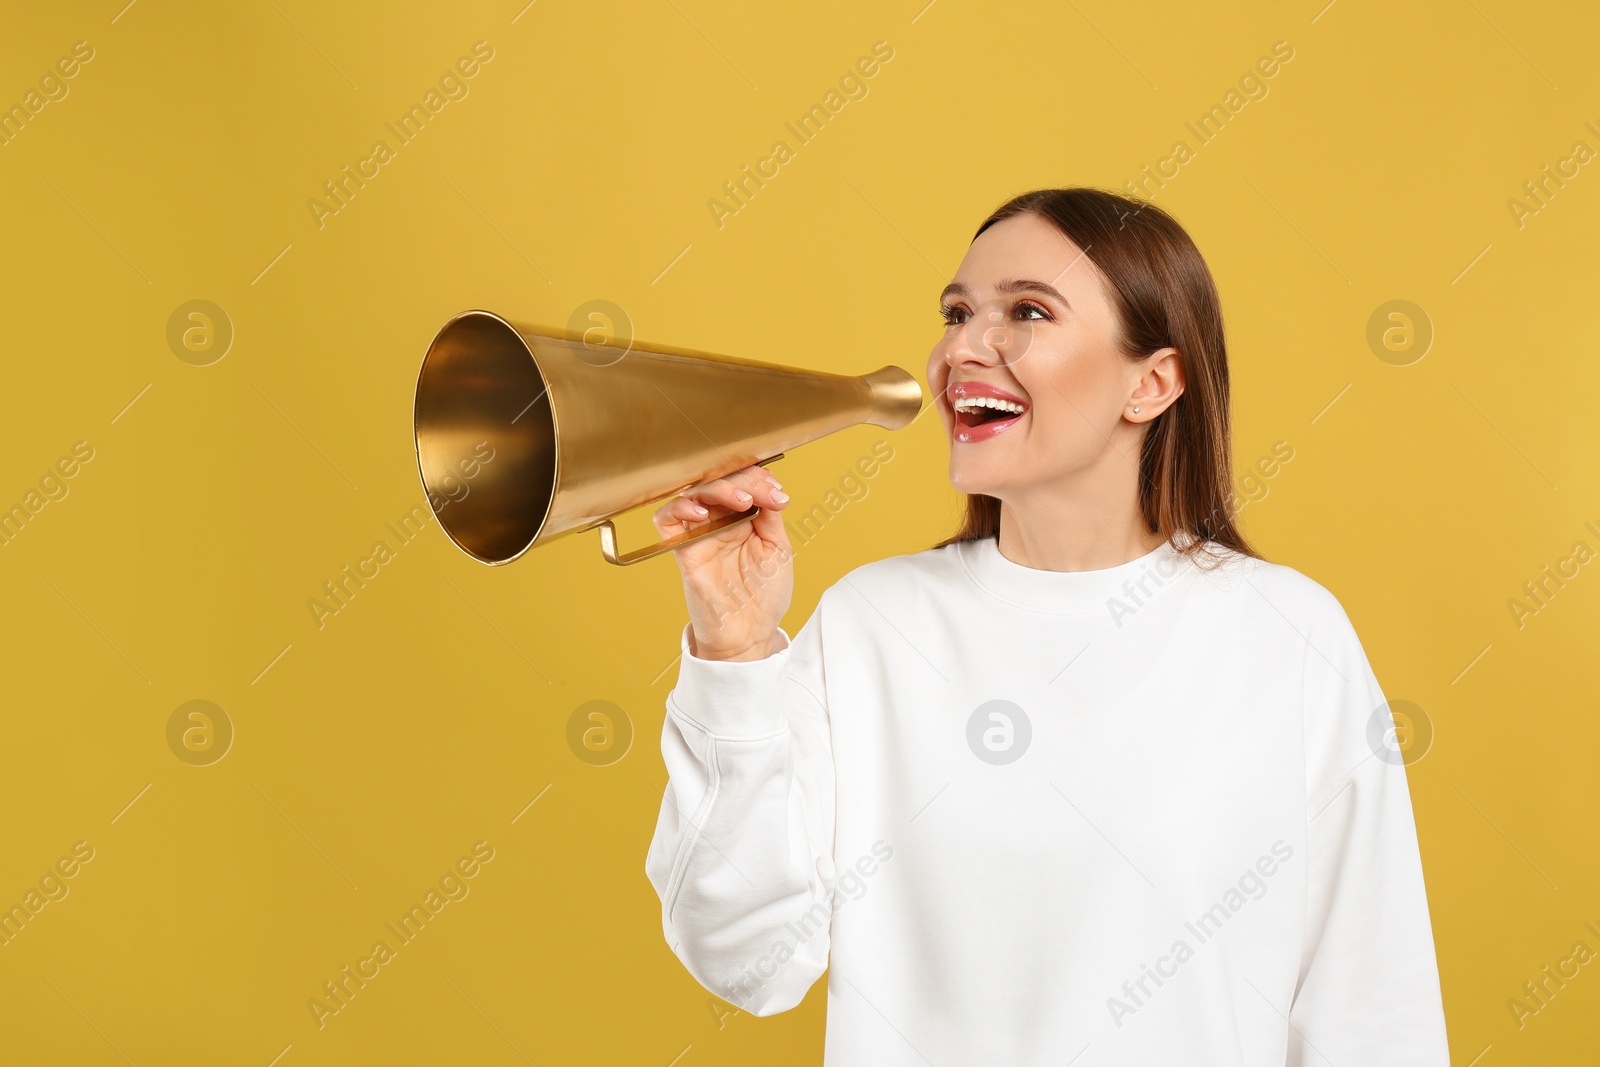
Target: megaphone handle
x=608 y=534
x=608 y=538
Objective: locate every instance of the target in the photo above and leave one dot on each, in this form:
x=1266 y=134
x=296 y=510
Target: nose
x=983 y=339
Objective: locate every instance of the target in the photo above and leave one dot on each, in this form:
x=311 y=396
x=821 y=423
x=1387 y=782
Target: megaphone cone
x=563 y=433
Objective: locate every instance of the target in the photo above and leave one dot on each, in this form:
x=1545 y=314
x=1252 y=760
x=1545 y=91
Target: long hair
x=1164 y=296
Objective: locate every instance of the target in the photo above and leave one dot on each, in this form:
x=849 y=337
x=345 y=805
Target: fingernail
x=780 y=496
x=698 y=510
x=742 y=497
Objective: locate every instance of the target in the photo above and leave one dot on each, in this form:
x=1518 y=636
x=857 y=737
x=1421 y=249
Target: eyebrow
x=1009 y=285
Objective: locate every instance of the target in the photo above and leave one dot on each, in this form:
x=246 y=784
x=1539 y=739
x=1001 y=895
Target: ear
x=1159 y=384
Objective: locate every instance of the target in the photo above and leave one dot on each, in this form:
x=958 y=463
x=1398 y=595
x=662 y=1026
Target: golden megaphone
x=563 y=432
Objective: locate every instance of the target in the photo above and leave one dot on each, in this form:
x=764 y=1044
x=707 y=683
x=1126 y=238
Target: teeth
x=971 y=403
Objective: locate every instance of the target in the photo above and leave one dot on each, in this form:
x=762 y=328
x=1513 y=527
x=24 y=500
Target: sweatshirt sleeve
x=742 y=856
x=1368 y=988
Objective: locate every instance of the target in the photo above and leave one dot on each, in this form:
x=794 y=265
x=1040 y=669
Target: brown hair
x=1164 y=296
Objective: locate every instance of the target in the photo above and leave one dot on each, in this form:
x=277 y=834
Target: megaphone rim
x=416 y=443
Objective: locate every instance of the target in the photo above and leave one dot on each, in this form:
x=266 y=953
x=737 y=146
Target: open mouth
x=973 y=411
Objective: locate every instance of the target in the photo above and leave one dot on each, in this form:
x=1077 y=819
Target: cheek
x=938 y=376
x=1074 y=403
x=938 y=369
x=1074 y=382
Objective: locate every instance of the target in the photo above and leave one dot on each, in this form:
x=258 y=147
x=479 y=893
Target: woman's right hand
x=737 y=582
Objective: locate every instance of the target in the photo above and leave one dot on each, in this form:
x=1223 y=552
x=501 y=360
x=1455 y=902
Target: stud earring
x=1136 y=411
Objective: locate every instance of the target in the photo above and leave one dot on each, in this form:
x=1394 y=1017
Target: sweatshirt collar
x=1069 y=592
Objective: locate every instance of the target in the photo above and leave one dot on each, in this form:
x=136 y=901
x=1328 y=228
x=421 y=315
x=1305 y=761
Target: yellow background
x=370 y=754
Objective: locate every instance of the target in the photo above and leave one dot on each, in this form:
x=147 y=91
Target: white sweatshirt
x=1150 y=814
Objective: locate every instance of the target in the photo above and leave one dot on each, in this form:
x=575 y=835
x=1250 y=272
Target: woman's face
x=1028 y=321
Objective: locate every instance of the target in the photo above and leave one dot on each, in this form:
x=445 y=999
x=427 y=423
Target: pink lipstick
x=982 y=411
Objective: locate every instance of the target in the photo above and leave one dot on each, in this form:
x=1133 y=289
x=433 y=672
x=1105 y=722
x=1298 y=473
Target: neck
x=1090 y=523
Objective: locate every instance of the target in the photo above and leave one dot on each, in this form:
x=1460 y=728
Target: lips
x=982 y=411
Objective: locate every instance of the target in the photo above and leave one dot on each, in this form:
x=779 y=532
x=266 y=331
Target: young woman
x=1090 y=782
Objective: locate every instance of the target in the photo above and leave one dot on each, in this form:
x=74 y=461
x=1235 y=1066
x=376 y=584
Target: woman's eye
x=955 y=315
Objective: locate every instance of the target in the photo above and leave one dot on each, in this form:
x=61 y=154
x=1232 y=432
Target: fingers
x=767 y=489
x=679 y=511
x=768 y=492
x=768 y=525
x=741 y=489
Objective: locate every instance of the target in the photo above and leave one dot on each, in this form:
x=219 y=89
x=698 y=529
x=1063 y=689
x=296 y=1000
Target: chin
x=965 y=478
